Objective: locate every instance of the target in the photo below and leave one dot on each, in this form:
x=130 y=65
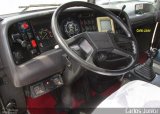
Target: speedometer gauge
x=70 y=27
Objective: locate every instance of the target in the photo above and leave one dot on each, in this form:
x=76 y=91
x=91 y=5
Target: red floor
x=142 y=58
x=46 y=104
x=42 y=105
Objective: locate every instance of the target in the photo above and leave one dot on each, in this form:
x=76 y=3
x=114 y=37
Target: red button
x=25 y=25
x=34 y=44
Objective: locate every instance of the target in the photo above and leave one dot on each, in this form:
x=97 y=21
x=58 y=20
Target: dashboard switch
x=15 y=37
x=57 y=82
x=25 y=25
x=39 y=89
x=45 y=86
x=34 y=44
x=23 y=43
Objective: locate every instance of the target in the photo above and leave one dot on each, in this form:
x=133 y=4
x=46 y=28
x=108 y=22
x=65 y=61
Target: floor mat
x=142 y=58
x=46 y=104
x=98 y=97
x=111 y=90
x=42 y=105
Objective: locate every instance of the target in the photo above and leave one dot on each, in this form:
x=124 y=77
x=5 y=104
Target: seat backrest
x=134 y=94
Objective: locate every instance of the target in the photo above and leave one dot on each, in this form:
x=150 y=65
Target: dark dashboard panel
x=32 y=37
x=47 y=61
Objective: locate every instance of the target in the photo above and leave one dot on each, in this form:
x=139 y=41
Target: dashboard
x=32 y=37
x=29 y=49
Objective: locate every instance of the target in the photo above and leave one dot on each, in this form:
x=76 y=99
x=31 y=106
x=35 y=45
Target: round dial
x=71 y=27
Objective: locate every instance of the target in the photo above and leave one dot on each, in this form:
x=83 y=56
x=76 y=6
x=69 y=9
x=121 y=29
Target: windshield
x=13 y=6
x=102 y=2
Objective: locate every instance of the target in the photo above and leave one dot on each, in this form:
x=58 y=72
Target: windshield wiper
x=37 y=5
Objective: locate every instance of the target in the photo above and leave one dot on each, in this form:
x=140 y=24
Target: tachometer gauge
x=71 y=27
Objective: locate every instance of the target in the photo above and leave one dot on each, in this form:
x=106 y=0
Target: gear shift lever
x=145 y=71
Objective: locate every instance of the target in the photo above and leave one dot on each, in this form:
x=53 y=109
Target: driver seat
x=134 y=94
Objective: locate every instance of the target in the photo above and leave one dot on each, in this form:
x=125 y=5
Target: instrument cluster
x=78 y=23
x=32 y=37
x=75 y=23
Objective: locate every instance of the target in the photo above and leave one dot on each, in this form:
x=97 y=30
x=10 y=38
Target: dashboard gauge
x=70 y=27
x=45 y=34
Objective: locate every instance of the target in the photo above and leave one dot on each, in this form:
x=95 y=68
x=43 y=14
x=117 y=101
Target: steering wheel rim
x=72 y=54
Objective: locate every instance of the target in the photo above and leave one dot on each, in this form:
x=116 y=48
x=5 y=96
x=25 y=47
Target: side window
x=157 y=4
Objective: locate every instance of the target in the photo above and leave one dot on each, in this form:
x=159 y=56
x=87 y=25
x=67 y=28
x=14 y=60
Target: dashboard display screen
x=105 y=24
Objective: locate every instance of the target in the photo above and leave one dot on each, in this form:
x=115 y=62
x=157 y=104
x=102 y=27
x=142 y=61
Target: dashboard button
x=25 y=25
x=15 y=37
x=34 y=44
x=39 y=89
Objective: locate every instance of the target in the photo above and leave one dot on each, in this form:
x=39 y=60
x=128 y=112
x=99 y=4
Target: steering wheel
x=83 y=47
